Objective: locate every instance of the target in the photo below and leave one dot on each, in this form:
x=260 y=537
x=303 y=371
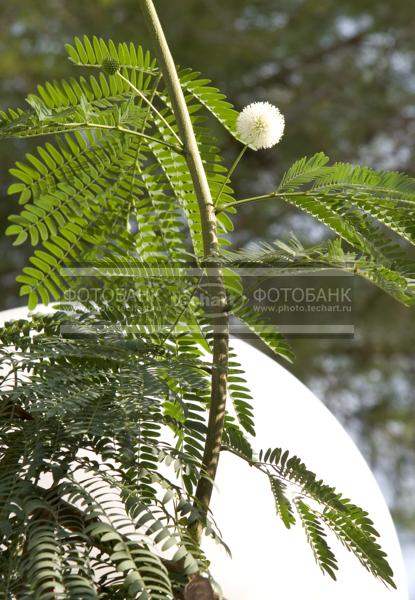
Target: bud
x=110 y=66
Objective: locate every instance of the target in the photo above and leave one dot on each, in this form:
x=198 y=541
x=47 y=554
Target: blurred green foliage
x=343 y=73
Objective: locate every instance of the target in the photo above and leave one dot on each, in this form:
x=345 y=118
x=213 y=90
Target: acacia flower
x=260 y=125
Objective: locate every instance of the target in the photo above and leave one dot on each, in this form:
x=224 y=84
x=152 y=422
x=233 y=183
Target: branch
x=89 y=125
x=150 y=104
x=256 y=198
x=215 y=280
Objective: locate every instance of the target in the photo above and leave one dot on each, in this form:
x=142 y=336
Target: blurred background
x=343 y=73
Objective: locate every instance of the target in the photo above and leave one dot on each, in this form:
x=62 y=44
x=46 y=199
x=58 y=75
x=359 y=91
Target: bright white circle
x=269 y=561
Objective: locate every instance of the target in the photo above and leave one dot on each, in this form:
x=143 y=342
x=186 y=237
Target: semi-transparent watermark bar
x=300 y=302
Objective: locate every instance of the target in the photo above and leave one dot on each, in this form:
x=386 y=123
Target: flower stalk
x=230 y=173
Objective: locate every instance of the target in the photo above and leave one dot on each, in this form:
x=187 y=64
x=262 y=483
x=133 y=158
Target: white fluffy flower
x=260 y=125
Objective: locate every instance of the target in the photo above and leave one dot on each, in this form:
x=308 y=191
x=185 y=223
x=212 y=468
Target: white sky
x=269 y=561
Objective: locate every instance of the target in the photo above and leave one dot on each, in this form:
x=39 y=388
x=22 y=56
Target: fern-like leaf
x=295 y=486
x=316 y=537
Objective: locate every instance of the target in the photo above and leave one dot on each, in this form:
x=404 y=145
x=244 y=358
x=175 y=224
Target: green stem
x=216 y=286
x=256 y=198
x=136 y=163
x=123 y=130
x=230 y=173
x=151 y=105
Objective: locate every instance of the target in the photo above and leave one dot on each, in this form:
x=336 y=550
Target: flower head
x=110 y=66
x=260 y=125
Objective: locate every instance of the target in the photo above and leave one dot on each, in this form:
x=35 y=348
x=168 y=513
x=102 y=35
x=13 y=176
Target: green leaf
x=282 y=504
x=21 y=238
x=32 y=301
x=316 y=537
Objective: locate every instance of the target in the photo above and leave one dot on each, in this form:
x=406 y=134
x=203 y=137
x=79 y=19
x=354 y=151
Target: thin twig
x=263 y=197
x=90 y=125
x=230 y=173
x=151 y=105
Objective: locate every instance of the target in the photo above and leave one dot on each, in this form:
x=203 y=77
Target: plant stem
x=150 y=104
x=123 y=130
x=264 y=197
x=230 y=173
x=137 y=153
x=216 y=284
